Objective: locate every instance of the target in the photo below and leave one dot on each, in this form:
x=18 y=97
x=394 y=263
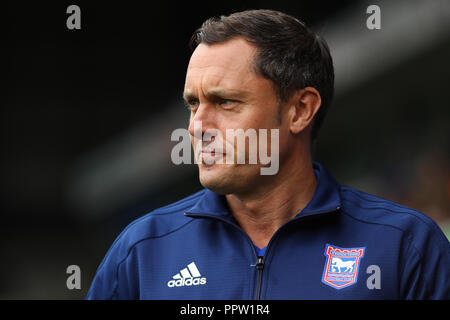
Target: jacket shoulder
x=426 y=250
x=155 y=224
x=159 y=222
x=371 y=209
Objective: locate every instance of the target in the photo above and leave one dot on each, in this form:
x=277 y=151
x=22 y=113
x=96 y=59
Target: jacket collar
x=326 y=198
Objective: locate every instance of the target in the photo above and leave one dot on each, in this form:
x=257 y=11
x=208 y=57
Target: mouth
x=213 y=153
x=211 y=156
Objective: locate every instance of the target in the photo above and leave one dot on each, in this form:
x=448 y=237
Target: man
x=296 y=234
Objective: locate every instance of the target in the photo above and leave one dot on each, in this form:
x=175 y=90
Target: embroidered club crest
x=341 y=266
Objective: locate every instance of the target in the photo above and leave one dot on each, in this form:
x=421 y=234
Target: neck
x=262 y=212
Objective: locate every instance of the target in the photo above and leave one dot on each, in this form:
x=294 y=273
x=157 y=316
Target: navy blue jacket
x=345 y=244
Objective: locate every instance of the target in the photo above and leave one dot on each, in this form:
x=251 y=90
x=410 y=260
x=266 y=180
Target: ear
x=304 y=105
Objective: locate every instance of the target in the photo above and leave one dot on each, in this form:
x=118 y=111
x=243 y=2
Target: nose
x=202 y=119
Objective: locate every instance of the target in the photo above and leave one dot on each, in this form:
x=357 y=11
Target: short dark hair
x=289 y=54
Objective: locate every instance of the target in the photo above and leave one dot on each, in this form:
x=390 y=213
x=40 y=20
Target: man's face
x=224 y=92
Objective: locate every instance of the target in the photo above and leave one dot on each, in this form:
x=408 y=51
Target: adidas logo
x=189 y=276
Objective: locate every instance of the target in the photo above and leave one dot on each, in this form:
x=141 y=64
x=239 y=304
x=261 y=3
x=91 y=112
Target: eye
x=191 y=104
x=226 y=102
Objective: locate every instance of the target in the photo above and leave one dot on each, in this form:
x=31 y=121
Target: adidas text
x=189 y=276
x=186 y=282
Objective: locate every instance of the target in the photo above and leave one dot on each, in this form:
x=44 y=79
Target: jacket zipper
x=260 y=262
x=259 y=272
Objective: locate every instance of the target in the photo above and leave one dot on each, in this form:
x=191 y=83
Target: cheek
x=267 y=115
x=286 y=143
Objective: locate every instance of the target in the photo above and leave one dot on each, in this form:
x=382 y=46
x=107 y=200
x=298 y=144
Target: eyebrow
x=217 y=92
x=188 y=96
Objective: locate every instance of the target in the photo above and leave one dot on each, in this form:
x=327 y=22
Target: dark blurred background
x=87 y=115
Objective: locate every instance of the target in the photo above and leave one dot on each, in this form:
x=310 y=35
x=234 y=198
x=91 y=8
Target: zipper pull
x=260 y=264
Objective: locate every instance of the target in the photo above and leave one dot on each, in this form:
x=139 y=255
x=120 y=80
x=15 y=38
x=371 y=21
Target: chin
x=216 y=179
x=229 y=179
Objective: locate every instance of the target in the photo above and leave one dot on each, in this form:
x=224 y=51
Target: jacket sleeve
x=105 y=284
x=426 y=265
x=116 y=277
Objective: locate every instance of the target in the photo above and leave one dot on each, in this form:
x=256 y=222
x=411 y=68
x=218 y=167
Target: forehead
x=221 y=64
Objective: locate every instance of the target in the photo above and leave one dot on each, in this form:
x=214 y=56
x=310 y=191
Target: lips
x=213 y=149
x=210 y=153
x=210 y=157
x=213 y=152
